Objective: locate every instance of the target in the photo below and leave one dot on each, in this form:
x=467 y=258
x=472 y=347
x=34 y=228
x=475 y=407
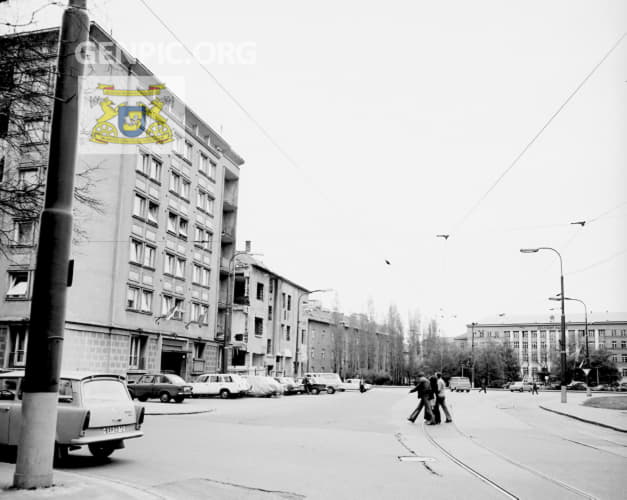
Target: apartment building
x=264 y=329
x=536 y=338
x=149 y=268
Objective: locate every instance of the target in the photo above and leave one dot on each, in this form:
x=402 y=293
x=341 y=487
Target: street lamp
x=297 y=351
x=472 y=351
x=585 y=308
x=563 y=321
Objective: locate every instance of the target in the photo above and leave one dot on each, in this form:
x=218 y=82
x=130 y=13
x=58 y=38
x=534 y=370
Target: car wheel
x=143 y=399
x=164 y=397
x=330 y=390
x=101 y=450
x=224 y=394
x=467 y=390
x=315 y=390
x=179 y=399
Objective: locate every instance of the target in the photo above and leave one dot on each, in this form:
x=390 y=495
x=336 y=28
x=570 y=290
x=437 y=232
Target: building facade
x=149 y=267
x=536 y=339
x=264 y=327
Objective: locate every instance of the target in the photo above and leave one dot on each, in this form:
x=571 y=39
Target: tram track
x=485 y=479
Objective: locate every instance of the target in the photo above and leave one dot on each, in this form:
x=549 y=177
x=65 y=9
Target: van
x=332 y=381
x=459 y=384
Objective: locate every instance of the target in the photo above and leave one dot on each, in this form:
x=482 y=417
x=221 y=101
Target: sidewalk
x=612 y=419
x=187 y=407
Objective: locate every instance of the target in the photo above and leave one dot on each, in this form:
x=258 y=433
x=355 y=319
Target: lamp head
x=529 y=250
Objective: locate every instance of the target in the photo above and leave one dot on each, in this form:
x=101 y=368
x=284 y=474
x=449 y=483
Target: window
x=180 y=268
x=289 y=302
x=143 y=163
x=288 y=330
x=173 y=221
x=259 y=328
x=146 y=303
x=623 y=344
x=205 y=202
x=322 y=354
x=175 y=181
x=204 y=164
x=199 y=350
x=24 y=232
x=202 y=238
x=269 y=346
x=137 y=346
x=185 y=185
x=516 y=344
x=614 y=344
x=169 y=264
x=149 y=256
x=178 y=144
x=153 y=212
x=212 y=169
x=132 y=298
x=183 y=225
x=269 y=313
x=200 y=313
x=136 y=251
x=196 y=270
x=155 y=170
x=259 y=291
x=19 y=342
x=139 y=206
x=18 y=284
x=205 y=275
x=189 y=151
x=313 y=353
x=171 y=307
x=623 y=358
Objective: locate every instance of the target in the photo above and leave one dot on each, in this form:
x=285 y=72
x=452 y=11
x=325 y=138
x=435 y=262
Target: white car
x=94 y=410
x=352 y=384
x=520 y=386
x=224 y=385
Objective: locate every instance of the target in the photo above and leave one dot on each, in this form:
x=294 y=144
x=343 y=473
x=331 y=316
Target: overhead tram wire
x=248 y=114
x=539 y=133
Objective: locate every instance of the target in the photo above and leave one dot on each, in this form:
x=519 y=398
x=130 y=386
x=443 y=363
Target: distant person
x=534 y=388
x=362 y=386
x=422 y=388
x=484 y=386
x=307 y=384
x=440 y=398
x=433 y=394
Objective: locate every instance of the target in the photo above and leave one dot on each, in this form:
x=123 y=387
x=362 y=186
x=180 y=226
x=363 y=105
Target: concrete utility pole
x=47 y=316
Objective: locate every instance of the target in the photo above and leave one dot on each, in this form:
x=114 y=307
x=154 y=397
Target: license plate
x=115 y=429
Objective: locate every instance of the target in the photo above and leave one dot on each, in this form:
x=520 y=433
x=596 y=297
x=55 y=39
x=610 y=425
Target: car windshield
x=104 y=390
x=175 y=379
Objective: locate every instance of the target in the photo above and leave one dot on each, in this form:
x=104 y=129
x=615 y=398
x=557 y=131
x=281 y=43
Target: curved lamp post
x=585 y=308
x=563 y=322
x=297 y=367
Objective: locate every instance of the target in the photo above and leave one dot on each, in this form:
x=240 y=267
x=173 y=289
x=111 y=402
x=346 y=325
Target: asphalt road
x=351 y=445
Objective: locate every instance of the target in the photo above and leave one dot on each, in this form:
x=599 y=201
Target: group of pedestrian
x=432 y=396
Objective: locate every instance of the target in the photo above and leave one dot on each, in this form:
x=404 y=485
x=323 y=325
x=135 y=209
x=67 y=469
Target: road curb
x=187 y=412
x=594 y=422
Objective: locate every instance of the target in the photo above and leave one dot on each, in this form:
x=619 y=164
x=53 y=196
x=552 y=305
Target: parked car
x=507 y=384
x=165 y=386
x=290 y=386
x=263 y=386
x=94 y=410
x=352 y=384
x=602 y=387
x=459 y=384
x=219 y=384
x=133 y=377
x=521 y=386
x=577 y=385
x=315 y=387
x=332 y=381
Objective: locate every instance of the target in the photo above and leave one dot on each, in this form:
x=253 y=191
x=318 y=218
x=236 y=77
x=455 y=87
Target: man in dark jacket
x=423 y=387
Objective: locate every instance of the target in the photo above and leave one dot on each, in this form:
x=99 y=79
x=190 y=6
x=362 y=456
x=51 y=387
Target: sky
x=398 y=121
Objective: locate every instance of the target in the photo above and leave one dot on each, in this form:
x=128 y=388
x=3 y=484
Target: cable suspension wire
x=598 y=263
x=539 y=133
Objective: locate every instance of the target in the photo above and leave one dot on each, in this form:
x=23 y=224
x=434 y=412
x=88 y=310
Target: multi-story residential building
x=536 y=338
x=149 y=269
x=344 y=344
x=264 y=327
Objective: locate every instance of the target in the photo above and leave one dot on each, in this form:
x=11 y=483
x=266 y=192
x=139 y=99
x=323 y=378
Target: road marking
x=415 y=458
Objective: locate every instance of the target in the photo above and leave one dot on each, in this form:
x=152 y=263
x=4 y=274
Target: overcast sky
x=399 y=116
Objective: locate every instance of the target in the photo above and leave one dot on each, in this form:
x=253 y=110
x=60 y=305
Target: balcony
x=229 y=203
x=227 y=235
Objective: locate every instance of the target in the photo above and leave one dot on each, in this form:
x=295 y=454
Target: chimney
x=248 y=246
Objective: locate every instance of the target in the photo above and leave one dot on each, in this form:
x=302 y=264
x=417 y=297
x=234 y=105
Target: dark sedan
x=164 y=386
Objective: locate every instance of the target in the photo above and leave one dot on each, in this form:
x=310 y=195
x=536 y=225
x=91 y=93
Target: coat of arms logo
x=132 y=120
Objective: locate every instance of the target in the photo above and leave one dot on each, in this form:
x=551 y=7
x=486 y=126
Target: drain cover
x=415 y=458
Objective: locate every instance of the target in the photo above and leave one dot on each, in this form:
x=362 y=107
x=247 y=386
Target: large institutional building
x=149 y=271
x=536 y=338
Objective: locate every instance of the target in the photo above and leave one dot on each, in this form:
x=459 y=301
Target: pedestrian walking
x=422 y=388
x=440 y=398
x=362 y=386
x=484 y=386
x=433 y=393
x=534 y=388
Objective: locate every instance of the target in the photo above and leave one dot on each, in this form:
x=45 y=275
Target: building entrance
x=173 y=362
